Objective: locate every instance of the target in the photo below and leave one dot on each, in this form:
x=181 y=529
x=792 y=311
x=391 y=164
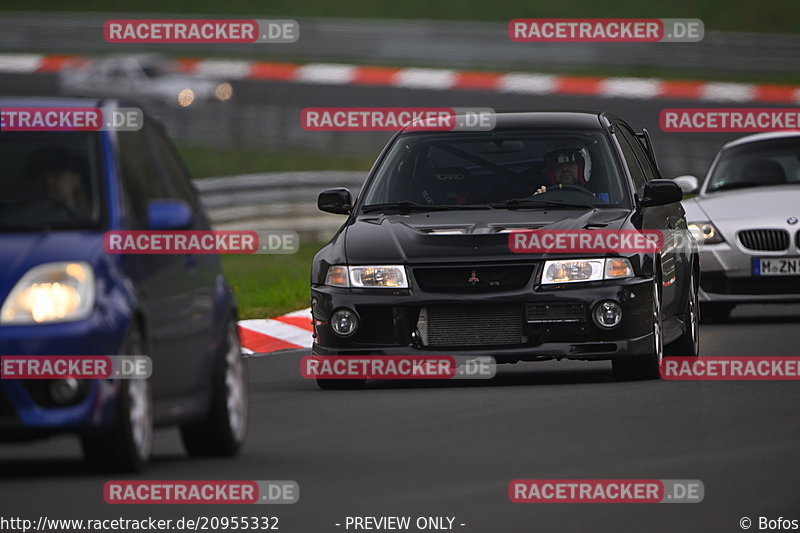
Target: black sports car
x=423 y=264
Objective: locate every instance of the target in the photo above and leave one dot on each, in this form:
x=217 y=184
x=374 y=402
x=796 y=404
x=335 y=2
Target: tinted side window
x=173 y=171
x=140 y=175
x=641 y=155
x=632 y=162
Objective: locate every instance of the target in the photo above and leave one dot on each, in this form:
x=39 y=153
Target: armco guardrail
x=422 y=42
x=277 y=128
x=276 y=200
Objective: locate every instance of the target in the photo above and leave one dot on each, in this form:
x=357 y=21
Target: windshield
x=49 y=181
x=497 y=169
x=760 y=164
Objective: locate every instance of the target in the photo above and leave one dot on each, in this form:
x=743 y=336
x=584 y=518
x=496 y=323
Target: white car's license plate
x=776 y=266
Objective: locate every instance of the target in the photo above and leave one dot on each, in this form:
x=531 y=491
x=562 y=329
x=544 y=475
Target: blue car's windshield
x=50 y=181
x=502 y=169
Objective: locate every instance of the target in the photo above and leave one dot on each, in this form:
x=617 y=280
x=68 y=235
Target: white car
x=745 y=218
x=147 y=77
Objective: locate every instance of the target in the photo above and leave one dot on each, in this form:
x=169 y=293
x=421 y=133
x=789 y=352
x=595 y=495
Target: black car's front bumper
x=552 y=323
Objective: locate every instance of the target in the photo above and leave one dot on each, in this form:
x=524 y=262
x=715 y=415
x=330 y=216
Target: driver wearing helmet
x=567 y=164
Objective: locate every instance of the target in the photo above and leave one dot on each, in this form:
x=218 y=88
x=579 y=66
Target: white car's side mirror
x=688 y=184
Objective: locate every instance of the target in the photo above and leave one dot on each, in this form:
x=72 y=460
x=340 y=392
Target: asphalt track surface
x=451 y=449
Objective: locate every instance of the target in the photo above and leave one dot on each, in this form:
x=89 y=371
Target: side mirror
x=689 y=184
x=335 y=201
x=661 y=192
x=168 y=215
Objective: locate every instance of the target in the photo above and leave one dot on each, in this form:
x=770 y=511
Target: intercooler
x=470 y=326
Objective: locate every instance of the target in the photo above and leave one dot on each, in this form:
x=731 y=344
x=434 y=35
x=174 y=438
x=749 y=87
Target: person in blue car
x=59 y=178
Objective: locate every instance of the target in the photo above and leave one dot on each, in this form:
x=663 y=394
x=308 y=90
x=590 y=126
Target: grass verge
x=270 y=285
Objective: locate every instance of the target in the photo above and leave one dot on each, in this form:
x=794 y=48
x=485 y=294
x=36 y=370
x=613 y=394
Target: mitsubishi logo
x=473 y=279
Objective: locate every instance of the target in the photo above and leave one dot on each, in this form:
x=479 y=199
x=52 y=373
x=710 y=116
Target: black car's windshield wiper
x=414 y=206
x=534 y=202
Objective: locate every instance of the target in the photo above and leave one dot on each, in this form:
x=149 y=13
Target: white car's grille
x=765 y=240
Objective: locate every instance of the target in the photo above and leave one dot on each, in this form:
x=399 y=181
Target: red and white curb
x=287 y=332
x=445 y=79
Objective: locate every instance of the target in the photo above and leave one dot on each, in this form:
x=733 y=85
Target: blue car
x=61 y=293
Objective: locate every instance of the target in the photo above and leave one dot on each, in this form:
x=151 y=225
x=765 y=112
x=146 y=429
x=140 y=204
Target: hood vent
x=445 y=231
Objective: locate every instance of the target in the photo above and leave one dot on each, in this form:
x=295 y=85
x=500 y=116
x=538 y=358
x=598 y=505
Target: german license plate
x=776 y=266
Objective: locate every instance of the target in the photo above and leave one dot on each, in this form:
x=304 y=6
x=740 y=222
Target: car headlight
x=185 y=97
x=344 y=322
x=52 y=292
x=382 y=276
x=705 y=232
x=337 y=276
x=223 y=91
x=573 y=270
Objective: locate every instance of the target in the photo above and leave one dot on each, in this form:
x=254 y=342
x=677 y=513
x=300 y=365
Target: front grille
x=720 y=284
x=473 y=279
x=764 y=240
x=554 y=313
x=453 y=326
x=797 y=239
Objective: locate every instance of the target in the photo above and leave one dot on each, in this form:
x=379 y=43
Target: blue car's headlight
x=52 y=292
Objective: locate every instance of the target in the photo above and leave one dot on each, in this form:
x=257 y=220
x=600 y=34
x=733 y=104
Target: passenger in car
x=58 y=178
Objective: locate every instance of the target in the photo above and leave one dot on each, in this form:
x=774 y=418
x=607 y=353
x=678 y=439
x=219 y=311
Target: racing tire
x=688 y=344
x=648 y=366
x=126 y=447
x=222 y=432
